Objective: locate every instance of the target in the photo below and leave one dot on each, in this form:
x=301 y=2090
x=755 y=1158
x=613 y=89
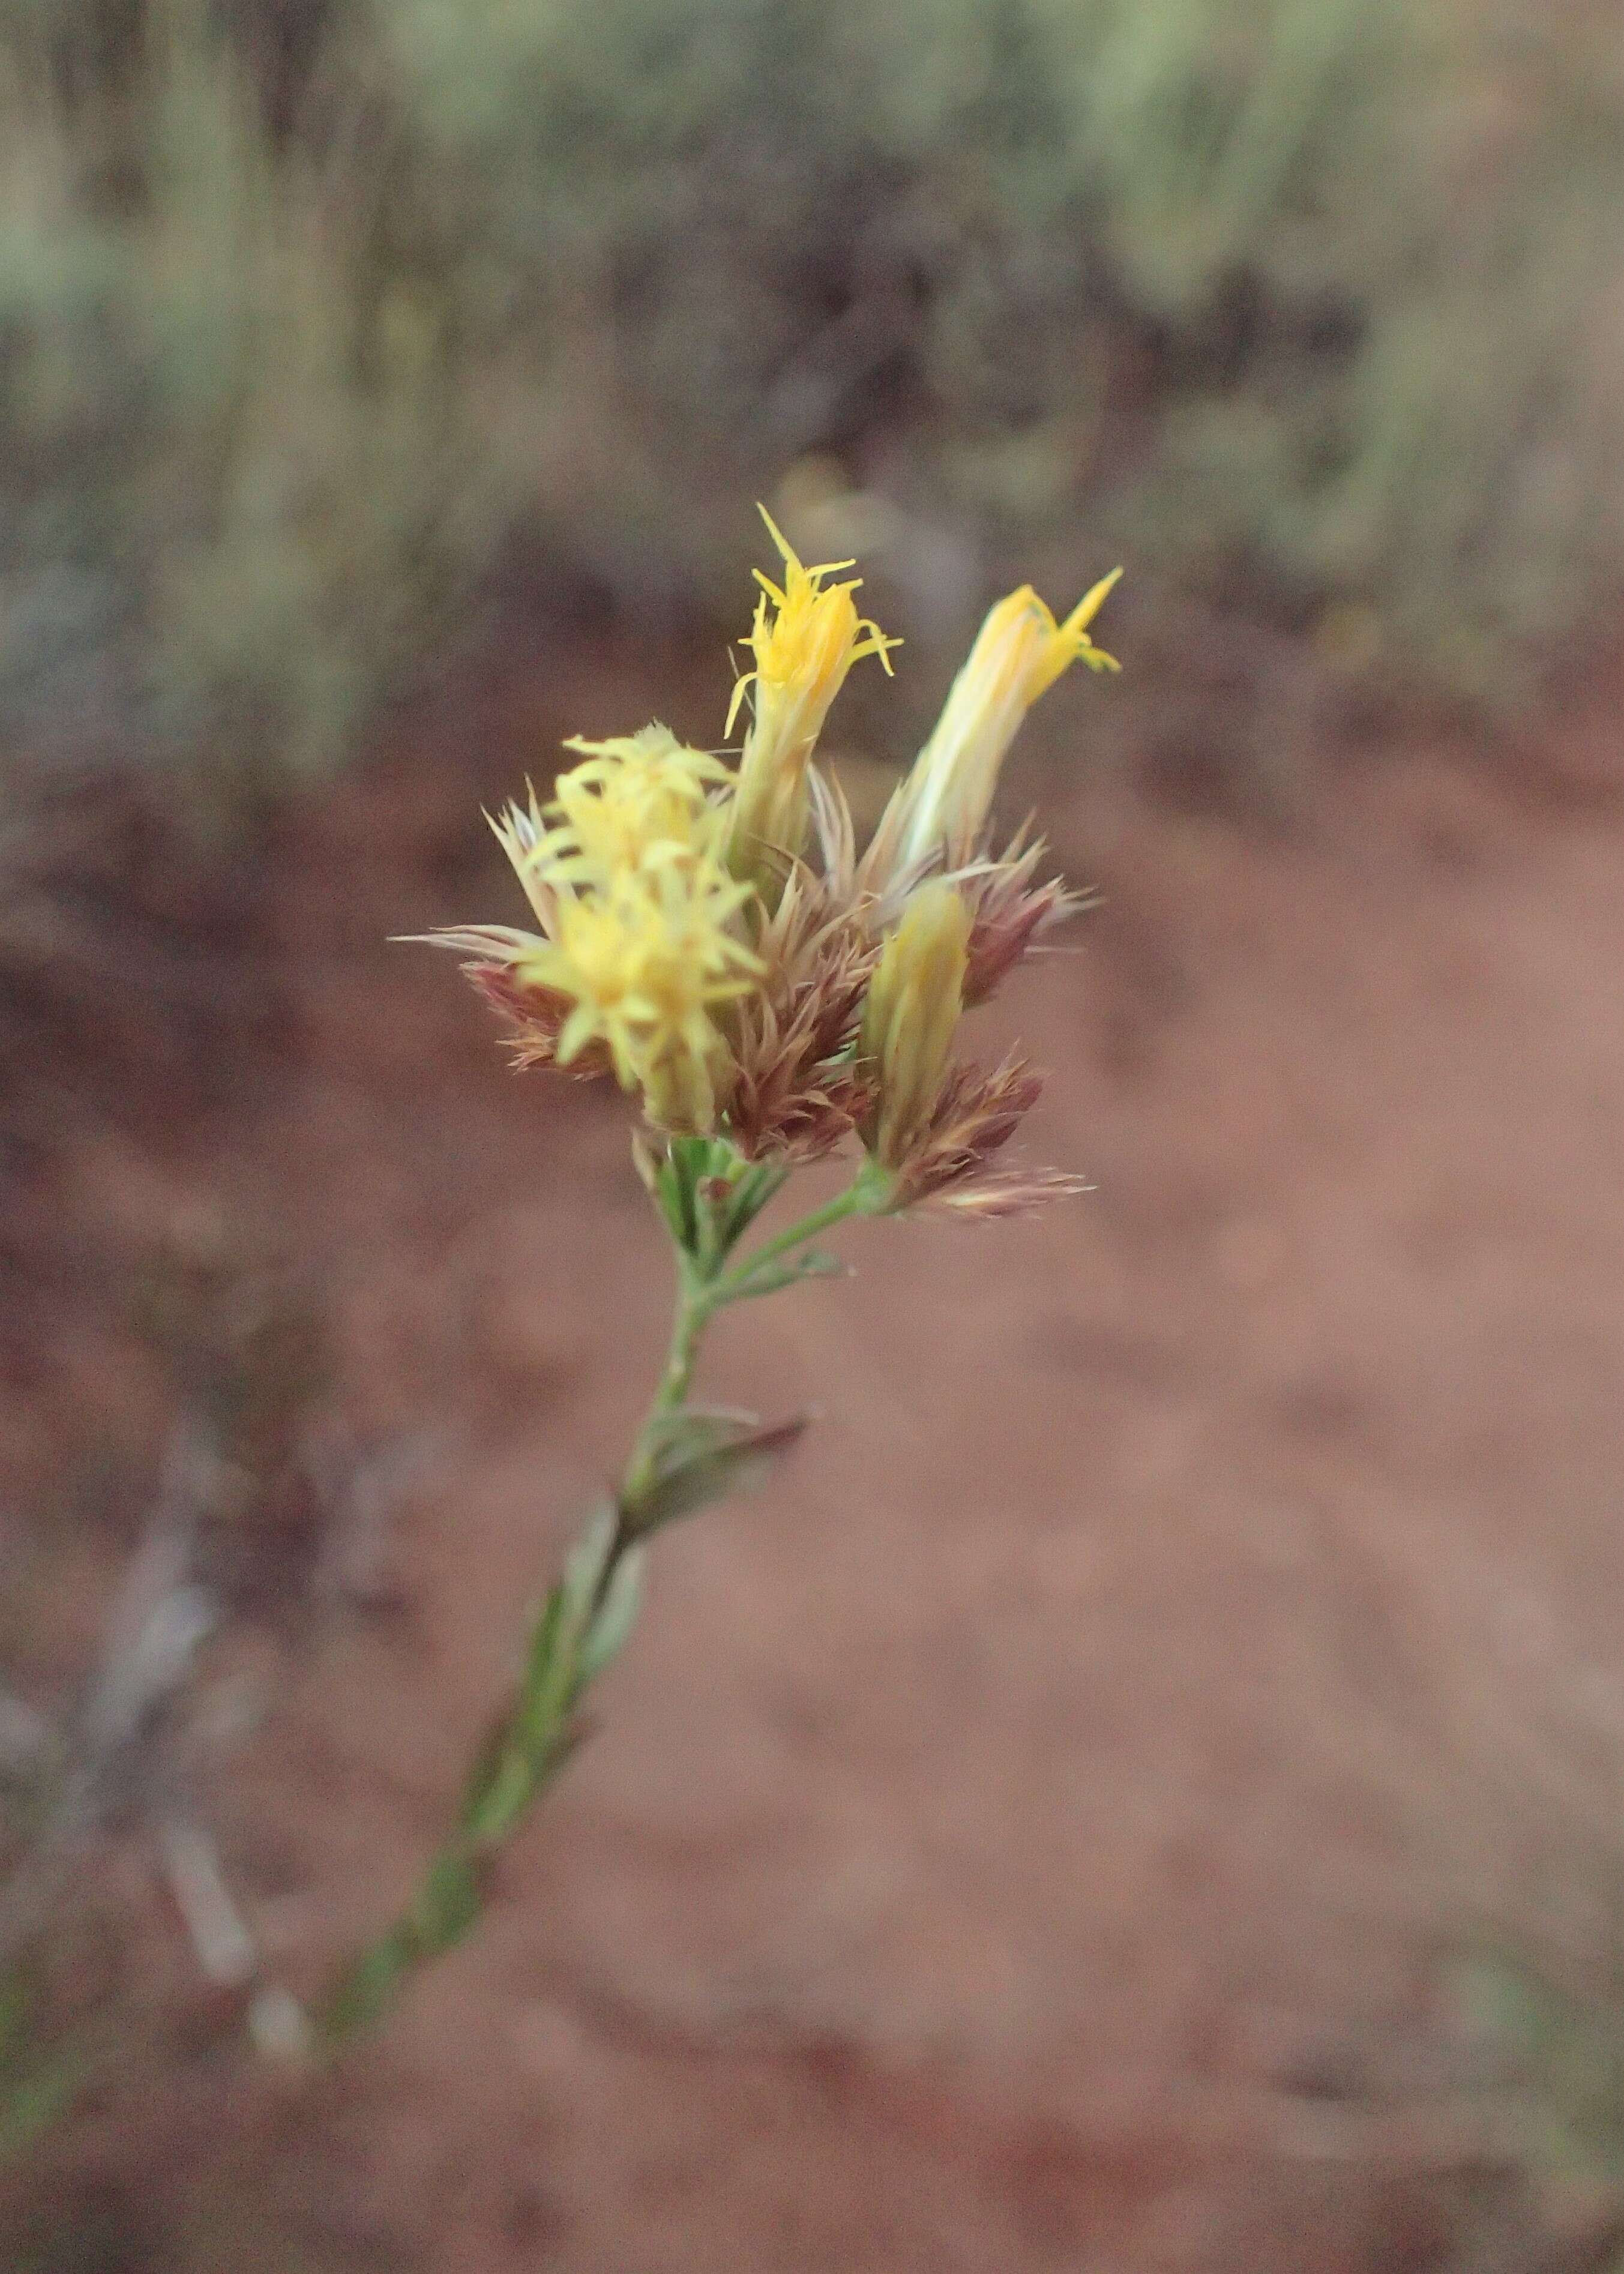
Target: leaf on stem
x=766 y=1279
x=584 y=1569
x=615 y=1617
x=759 y=1183
x=702 y=1453
x=364 y=1991
x=675 y=1204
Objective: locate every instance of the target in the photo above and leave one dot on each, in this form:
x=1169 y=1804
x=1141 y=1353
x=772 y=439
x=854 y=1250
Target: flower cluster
x=709 y=935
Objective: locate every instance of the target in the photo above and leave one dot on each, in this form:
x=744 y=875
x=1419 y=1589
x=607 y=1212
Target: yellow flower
x=806 y=637
x=644 y=963
x=910 y=1018
x=1020 y=650
x=640 y=917
x=633 y=797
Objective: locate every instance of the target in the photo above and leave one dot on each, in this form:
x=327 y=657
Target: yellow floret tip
x=806 y=636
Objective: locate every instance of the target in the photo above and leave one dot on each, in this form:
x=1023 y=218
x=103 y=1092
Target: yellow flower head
x=644 y=963
x=633 y=799
x=806 y=637
x=640 y=918
x=911 y=1013
x=1020 y=650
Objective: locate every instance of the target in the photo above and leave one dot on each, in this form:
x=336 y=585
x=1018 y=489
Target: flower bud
x=1020 y=650
x=910 y=1017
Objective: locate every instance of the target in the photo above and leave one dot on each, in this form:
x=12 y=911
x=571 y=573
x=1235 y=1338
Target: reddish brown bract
x=976 y=1113
x=533 y=1018
x=1008 y=912
x=800 y=1089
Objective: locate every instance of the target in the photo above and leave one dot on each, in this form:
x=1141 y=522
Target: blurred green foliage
x=240 y=478
x=1314 y=301
x=1553 y=2064
x=1309 y=307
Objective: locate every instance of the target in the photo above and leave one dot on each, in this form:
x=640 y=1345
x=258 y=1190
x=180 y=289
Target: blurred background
x=1143 y=1788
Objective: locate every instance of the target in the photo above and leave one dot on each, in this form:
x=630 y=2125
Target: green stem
x=582 y=1624
x=694 y=1307
x=578 y=1628
x=865 y=1195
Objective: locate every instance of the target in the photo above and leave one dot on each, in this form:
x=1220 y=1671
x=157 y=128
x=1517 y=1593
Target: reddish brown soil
x=1019 y=1839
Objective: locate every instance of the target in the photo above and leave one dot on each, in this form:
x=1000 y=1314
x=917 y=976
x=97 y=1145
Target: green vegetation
x=240 y=478
x=1303 y=305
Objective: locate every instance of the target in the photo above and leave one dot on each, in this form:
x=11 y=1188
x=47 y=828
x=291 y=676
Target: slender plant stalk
x=856 y=1200
x=690 y=1318
x=589 y=1611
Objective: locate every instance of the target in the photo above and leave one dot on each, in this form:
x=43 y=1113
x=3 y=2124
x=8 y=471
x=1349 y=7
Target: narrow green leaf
x=755 y=1188
x=617 y=1615
x=768 y=1278
x=674 y=1199
x=707 y=1454
x=363 y=1994
x=692 y=1164
x=487 y=1792
x=583 y=1571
